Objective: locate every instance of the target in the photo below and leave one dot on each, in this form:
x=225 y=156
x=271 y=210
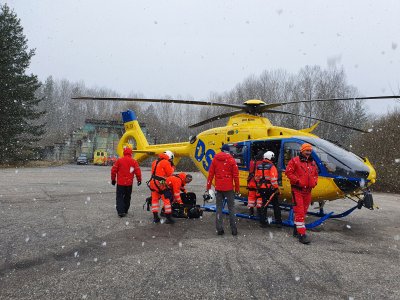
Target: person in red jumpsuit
x=302 y=172
x=160 y=170
x=124 y=170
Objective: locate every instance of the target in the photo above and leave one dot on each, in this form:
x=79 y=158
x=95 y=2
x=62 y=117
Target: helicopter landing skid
x=290 y=220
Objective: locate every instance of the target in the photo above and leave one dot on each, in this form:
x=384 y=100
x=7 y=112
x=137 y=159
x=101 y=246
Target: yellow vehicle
x=342 y=174
x=100 y=157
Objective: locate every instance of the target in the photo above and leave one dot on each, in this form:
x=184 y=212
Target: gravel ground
x=60 y=238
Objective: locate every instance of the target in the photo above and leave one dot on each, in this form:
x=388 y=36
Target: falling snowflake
x=153 y=237
x=16 y=171
x=142 y=244
x=62 y=247
x=76 y=254
x=297 y=278
x=27 y=239
x=397 y=160
x=397 y=237
x=95 y=259
x=269 y=220
x=271 y=235
x=104 y=244
x=370 y=130
x=348 y=226
x=78 y=263
x=126 y=223
x=84 y=296
x=88 y=198
x=138 y=261
x=44 y=234
x=180 y=244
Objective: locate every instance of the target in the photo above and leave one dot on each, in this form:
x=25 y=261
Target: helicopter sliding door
x=260 y=147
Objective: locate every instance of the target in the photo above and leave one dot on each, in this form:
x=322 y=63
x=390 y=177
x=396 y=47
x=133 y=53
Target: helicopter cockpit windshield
x=337 y=161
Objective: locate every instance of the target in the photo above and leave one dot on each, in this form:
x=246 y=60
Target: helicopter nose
x=347 y=185
x=372 y=173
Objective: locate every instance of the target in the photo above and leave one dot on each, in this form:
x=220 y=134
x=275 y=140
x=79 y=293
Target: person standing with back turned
x=302 y=172
x=225 y=170
x=124 y=170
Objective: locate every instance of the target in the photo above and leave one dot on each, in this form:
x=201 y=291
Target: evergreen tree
x=19 y=112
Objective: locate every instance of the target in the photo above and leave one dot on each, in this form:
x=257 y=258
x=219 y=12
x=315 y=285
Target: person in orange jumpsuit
x=266 y=177
x=302 y=172
x=176 y=185
x=160 y=170
x=251 y=182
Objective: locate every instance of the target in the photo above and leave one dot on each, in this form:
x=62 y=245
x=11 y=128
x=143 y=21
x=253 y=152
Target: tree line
x=35 y=114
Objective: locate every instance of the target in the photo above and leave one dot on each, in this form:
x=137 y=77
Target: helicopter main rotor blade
x=204 y=103
x=273 y=105
x=312 y=118
x=229 y=114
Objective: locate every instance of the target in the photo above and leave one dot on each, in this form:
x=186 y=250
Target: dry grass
x=34 y=164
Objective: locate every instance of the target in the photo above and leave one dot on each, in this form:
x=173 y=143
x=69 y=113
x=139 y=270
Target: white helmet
x=170 y=154
x=269 y=155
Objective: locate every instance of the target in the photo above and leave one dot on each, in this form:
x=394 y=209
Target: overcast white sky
x=192 y=48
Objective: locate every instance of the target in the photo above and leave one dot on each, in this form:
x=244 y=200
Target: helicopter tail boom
x=142 y=150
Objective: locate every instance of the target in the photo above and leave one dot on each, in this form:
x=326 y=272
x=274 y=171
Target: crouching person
x=122 y=174
x=176 y=185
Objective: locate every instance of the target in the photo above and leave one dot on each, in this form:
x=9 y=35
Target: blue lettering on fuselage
x=201 y=155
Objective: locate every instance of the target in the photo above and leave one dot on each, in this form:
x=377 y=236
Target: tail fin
x=133 y=133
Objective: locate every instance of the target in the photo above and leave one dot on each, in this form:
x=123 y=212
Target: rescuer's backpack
x=263 y=175
x=188 y=209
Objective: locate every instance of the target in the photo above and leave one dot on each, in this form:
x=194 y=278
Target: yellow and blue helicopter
x=342 y=174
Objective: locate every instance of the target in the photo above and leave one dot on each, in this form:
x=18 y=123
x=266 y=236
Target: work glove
x=113 y=182
x=139 y=183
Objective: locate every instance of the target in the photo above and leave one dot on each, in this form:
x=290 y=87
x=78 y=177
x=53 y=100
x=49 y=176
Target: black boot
x=304 y=239
x=262 y=216
x=156 y=218
x=169 y=219
x=295 y=233
x=251 y=211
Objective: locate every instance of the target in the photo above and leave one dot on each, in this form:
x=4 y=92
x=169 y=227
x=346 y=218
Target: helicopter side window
x=239 y=154
x=332 y=165
x=291 y=150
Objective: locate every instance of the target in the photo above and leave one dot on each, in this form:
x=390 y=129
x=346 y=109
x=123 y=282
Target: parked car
x=111 y=160
x=82 y=159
